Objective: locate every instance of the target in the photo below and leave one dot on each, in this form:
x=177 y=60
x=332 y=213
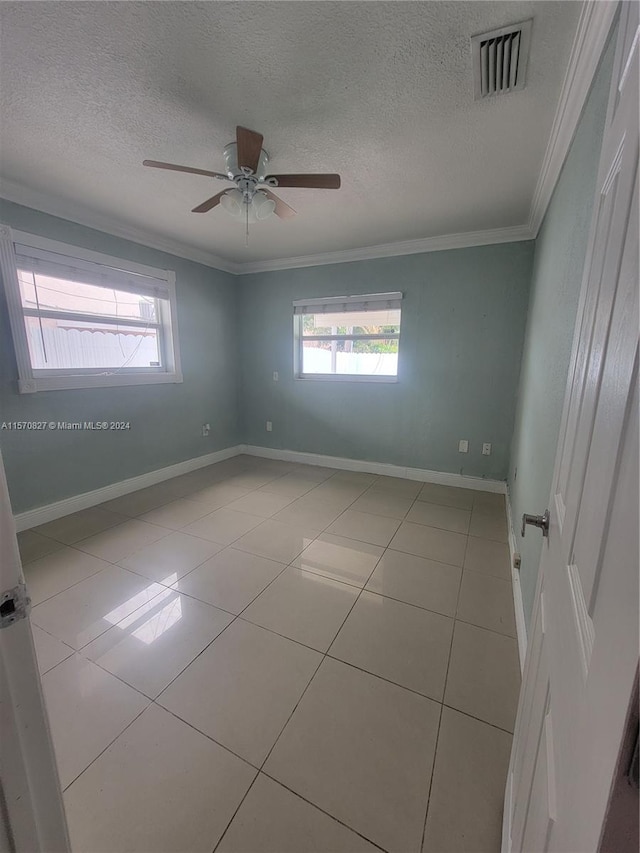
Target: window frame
x=32 y=380
x=299 y=336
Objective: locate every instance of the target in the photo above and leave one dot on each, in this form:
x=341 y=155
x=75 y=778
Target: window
x=83 y=320
x=348 y=337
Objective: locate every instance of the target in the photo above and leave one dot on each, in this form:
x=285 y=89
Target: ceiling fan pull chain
x=246 y=233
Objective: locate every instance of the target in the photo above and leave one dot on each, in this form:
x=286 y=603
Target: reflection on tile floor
x=266 y=657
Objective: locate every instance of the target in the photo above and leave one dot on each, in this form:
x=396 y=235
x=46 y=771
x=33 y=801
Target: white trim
x=32 y=808
x=506 y=814
x=49 y=512
x=68 y=382
x=64 y=210
x=31 y=380
x=74 y=253
x=518 y=604
x=72 y=212
x=346 y=377
x=341 y=304
x=593 y=28
x=512 y=234
x=423 y=475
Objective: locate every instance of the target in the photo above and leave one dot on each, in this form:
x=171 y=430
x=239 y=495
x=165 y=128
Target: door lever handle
x=541 y=521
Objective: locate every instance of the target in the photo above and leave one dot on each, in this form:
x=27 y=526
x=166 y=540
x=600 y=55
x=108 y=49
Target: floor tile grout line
x=324 y=656
x=111 y=742
x=235 y=616
x=182 y=530
x=153 y=701
x=327 y=655
x=239 y=806
x=205 y=735
x=362 y=589
x=444 y=693
x=238 y=615
x=477 y=719
x=320 y=809
x=484 y=628
x=382 y=678
x=409 y=603
x=431 y=775
x=138 y=516
x=81 y=650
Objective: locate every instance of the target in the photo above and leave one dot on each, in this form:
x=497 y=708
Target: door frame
x=532 y=657
x=31 y=804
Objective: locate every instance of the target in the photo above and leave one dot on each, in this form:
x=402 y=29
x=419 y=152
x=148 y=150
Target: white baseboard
x=50 y=512
x=422 y=474
x=43 y=514
x=518 y=604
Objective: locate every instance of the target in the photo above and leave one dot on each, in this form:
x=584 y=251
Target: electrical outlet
x=275 y=376
x=463 y=446
x=486 y=449
x=206 y=429
x=269 y=426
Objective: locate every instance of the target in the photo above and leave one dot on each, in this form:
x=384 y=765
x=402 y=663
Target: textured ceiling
x=381 y=92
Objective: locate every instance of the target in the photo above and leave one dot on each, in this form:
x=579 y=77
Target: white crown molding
x=20 y=194
x=595 y=22
x=593 y=28
x=464 y=240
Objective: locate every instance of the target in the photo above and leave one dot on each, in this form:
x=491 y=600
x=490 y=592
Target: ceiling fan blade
x=319 y=182
x=209 y=204
x=282 y=209
x=174 y=168
x=249 y=147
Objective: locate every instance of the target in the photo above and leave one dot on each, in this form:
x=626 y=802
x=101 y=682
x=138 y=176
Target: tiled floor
x=264 y=657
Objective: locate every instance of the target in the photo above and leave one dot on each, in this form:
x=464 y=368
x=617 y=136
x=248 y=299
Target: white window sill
x=342 y=377
x=62 y=383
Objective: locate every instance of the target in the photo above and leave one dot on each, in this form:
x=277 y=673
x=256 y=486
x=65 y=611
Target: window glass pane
x=64 y=344
x=352 y=323
x=55 y=294
x=351 y=358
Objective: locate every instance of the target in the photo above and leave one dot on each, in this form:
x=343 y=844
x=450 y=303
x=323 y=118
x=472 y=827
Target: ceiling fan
x=246 y=164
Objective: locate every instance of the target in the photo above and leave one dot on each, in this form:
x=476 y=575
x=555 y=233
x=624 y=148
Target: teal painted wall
x=165 y=420
x=557 y=275
x=463 y=321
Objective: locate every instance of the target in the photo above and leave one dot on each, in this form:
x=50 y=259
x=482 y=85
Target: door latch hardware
x=541 y=521
x=15 y=604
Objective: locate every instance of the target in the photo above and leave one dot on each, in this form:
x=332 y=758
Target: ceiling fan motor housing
x=248 y=183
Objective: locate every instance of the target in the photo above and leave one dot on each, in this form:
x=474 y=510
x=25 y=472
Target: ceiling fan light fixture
x=231 y=159
x=246 y=163
x=263 y=207
x=233 y=203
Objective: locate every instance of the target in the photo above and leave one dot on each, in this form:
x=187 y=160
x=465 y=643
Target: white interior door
x=583 y=647
x=31 y=808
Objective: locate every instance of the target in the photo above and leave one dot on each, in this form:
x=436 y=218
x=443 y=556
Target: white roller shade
x=378 y=302
x=74 y=269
